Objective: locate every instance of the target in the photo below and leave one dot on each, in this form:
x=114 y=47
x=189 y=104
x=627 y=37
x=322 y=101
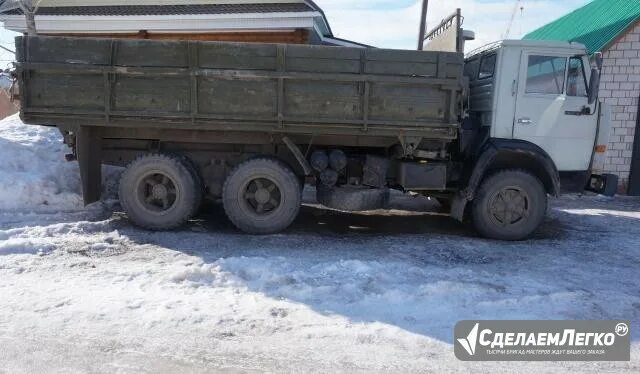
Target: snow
x=82 y=290
x=34 y=174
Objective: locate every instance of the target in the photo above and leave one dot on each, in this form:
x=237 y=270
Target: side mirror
x=594 y=85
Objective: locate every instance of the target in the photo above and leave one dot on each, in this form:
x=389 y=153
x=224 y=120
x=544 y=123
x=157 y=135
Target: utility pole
x=423 y=24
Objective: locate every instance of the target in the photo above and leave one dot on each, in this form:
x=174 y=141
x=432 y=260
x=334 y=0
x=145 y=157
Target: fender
x=500 y=154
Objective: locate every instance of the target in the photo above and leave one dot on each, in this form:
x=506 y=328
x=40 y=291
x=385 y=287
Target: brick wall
x=620 y=88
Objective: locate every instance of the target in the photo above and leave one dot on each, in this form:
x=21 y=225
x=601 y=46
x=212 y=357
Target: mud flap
x=89 y=152
x=605 y=184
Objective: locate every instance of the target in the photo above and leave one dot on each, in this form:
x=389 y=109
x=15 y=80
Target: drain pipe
x=423 y=24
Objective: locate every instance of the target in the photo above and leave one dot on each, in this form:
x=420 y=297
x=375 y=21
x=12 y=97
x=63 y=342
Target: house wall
x=7 y=107
x=620 y=88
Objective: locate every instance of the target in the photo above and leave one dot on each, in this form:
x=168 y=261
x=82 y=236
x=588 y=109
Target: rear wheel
x=262 y=196
x=510 y=205
x=159 y=192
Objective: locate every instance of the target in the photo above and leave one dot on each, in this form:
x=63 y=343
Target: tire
x=510 y=205
x=159 y=192
x=262 y=196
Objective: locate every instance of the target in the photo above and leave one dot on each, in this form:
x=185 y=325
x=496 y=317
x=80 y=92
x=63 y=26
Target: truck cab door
x=552 y=109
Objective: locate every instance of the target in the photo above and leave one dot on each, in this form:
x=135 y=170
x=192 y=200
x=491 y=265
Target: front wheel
x=262 y=196
x=510 y=205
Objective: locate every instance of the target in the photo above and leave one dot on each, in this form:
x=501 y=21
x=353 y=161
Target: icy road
x=81 y=290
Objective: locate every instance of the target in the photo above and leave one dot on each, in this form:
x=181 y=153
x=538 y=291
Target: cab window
x=471 y=68
x=487 y=66
x=545 y=75
x=576 y=79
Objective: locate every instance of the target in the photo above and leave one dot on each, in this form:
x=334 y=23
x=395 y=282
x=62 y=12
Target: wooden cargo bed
x=274 y=88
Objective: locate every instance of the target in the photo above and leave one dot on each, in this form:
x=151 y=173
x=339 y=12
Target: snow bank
x=33 y=172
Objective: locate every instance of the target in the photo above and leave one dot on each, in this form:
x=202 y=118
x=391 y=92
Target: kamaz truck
x=491 y=136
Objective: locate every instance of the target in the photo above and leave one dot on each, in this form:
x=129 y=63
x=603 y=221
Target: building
x=613 y=28
x=7 y=106
x=278 y=21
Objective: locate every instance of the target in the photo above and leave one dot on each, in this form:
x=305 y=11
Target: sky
x=395 y=23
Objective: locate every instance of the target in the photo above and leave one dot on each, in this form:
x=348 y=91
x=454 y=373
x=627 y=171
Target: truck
x=491 y=135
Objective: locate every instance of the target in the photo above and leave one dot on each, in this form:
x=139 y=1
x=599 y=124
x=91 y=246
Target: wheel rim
x=261 y=197
x=157 y=192
x=509 y=206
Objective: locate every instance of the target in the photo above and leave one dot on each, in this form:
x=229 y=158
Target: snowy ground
x=81 y=290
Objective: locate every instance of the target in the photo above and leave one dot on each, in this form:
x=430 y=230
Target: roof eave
x=199 y=22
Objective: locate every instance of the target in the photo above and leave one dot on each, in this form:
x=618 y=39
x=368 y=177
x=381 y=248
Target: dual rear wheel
x=162 y=192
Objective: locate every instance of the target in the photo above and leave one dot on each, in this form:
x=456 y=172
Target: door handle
x=525 y=121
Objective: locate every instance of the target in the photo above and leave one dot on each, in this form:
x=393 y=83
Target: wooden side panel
x=242 y=86
x=231 y=97
x=65 y=91
x=407 y=103
x=69 y=51
x=238 y=56
x=322 y=59
x=146 y=94
x=152 y=54
x=322 y=100
x=414 y=63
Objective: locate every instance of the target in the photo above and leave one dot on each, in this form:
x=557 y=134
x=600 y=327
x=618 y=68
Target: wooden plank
x=65 y=91
x=299 y=36
x=402 y=68
x=242 y=74
x=323 y=100
x=69 y=51
x=232 y=96
x=142 y=53
x=152 y=94
x=319 y=65
x=323 y=52
x=238 y=56
x=402 y=103
x=396 y=55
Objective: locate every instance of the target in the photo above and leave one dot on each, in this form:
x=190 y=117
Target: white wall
x=621 y=88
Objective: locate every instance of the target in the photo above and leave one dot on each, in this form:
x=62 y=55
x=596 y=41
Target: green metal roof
x=595 y=25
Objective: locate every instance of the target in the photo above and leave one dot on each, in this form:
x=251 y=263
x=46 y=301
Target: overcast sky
x=394 y=23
